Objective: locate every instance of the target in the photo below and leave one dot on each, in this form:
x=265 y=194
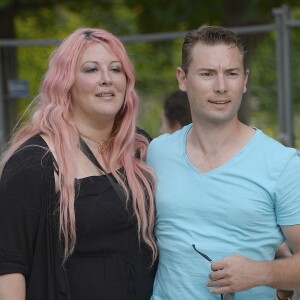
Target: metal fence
x=271 y=102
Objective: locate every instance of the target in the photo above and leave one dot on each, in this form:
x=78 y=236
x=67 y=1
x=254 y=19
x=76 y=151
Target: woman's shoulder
x=34 y=141
x=28 y=173
x=35 y=145
x=32 y=154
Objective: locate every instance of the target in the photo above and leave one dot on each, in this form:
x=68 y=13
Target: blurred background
x=153 y=32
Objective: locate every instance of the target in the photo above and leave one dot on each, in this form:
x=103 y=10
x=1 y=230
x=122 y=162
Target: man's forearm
x=283 y=273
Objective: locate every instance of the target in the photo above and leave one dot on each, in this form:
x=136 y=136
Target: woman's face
x=99 y=88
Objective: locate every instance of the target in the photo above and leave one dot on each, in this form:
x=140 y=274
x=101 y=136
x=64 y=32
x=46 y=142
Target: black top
x=107 y=263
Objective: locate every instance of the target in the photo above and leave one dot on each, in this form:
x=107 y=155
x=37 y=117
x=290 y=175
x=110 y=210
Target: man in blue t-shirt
x=225 y=190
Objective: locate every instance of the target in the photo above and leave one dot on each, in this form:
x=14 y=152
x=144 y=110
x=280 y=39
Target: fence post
x=2 y=110
x=283 y=59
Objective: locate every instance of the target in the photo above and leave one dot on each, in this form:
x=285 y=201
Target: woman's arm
x=23 y=205
x=12 y=287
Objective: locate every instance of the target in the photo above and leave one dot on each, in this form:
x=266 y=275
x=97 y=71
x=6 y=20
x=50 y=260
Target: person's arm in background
x=283 y=251
x=12 y=287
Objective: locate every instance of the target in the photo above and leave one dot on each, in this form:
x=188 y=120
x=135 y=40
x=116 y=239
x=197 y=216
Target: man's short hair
x=210 y=35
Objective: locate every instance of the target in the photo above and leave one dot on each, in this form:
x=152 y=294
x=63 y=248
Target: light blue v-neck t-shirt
x=236 y=208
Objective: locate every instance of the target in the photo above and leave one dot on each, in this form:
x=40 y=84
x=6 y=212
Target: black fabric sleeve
x=21 y=207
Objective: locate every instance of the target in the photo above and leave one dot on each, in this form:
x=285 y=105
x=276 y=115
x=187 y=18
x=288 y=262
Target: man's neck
x=209 y=148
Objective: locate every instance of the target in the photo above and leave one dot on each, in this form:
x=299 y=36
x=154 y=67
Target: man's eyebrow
x=233 y=69
x=214 y=69
x=206 y=69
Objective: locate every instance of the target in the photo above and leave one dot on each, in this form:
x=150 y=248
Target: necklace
x=101 y=144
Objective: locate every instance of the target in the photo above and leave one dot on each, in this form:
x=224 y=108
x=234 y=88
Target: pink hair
x=52 y=116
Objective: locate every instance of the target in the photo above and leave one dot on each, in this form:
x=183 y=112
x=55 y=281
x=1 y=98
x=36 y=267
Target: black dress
x=107 y=260
x=108 y=263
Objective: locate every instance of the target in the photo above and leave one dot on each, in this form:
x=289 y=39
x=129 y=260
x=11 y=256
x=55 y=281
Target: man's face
x=215 y=83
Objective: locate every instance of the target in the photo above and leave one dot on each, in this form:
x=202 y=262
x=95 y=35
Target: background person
x=222 y=186
x=69 y=227
x=176 y=112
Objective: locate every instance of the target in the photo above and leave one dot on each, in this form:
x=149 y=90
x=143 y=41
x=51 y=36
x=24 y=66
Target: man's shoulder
x=270 y=143
x=164 y=141
x=171 y=138
x=274 y=152
x=165 y=146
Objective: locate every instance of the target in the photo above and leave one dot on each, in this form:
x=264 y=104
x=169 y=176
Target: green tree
x=155 y=62
x=29 y=19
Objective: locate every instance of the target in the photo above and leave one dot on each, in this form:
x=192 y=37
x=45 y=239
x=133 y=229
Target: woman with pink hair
x=76 y=197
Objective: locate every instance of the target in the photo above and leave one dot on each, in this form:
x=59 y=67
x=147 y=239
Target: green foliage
x=164 y=15
x=5 y=3
x=263 y=77
x=156 y=62
x=263 y=92
x=33 y=60
x=296 y=80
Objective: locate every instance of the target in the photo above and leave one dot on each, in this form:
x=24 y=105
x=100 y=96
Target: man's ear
x=245 y=81
x=181 y=77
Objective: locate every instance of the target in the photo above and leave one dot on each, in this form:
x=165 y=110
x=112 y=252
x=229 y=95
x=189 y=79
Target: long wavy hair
x=53 y=116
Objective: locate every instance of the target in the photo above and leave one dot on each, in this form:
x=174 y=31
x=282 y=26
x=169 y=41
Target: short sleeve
x=152 y=153
x=287 y=195
x=21 y=207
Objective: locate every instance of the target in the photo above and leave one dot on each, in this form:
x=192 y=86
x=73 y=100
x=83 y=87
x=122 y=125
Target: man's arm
x=12 y=287
x=286 y=271
x=238 y=273
x=283 y=251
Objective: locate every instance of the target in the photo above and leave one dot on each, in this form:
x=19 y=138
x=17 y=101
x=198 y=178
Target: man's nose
x=221 y=84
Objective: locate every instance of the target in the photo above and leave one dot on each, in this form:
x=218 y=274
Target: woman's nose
x=105 y=78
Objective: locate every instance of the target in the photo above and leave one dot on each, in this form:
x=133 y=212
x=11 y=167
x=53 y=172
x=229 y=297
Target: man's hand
x=235 y=273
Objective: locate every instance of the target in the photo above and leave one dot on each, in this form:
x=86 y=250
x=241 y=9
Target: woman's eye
x=91 y=70
x=116 y=69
